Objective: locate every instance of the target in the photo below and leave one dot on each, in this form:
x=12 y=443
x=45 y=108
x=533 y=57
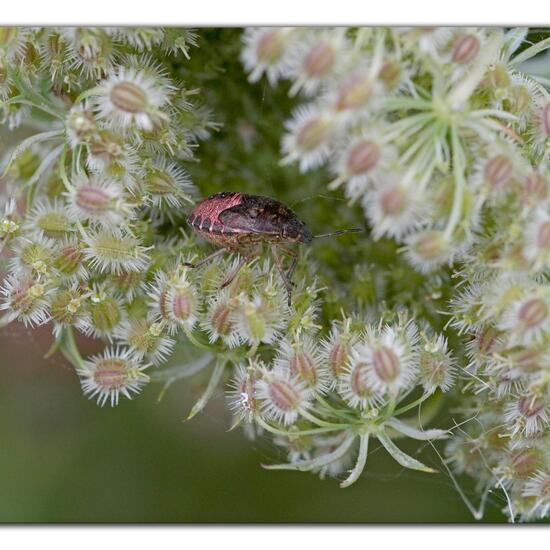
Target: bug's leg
x=234 y=272
x=208 y=258
x=286 y=281
x=294 y=255
x=291 y=269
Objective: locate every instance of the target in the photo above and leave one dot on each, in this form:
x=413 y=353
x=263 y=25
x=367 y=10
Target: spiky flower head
x=113 y=373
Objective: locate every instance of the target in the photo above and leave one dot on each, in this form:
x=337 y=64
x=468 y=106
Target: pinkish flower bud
x=430 y=245
x=271 y=46
x=530 y=405
x=543 y=120
x=355 y=92
x=525 y=462
x=363 y=157
x=221 y=319
x=465 y=48
x=282 y=398
x=393 y=200
x=499 y=170
x=319 y=59
x=386 y=364
x=128 y=97
x=338 y=358
x=533 y=312
x=527 y=361
x=303 y=365
x=182 y=303
x=390 y=73
x=543 y=235
x=93 y=199
x=358 y=381
x=535 y=188
x=312 y=134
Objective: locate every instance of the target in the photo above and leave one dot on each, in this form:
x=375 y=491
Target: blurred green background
x=64 y=459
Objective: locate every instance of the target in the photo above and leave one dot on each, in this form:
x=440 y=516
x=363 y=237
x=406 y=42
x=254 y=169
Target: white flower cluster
x=445 y=141
x=323 y=400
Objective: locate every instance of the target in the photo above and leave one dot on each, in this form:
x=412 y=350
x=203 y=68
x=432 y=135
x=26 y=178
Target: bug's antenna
x=317 y=195
x=340 y=232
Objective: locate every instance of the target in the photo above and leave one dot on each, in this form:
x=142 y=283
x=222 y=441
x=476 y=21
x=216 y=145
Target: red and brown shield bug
x=242 y=223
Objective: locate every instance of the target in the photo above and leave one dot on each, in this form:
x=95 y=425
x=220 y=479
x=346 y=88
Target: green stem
x=320 y=422
x=63 y=170
x=531 y=52
x=458 y=169
x=411 y=405
x=69 y=348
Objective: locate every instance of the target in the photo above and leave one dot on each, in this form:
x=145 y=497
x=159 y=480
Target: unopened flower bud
x=354 y=92
x=312 y=134
x=465 y=48
x=430 y=246
x=535 y=188
x=271 y=45
x=393 y=200
x=498 y=171
x=363 y=157
x=113 y=373
x=320 y=59
x=533 y=312
x=390 y=73
x=128 y=96
x=385 y=364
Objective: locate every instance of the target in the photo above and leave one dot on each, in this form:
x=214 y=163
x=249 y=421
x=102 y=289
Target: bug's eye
x=254 y=212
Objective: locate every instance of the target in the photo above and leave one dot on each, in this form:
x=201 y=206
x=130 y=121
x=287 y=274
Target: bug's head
x=295 y=230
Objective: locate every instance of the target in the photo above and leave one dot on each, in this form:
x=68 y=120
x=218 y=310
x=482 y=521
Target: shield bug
x=242 y=223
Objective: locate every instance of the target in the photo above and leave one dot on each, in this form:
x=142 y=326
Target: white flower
x=266 y=51
x=173 y=300
x=32 y=254
x=49 y=219
x=336 y=349
x=110 y=374
x=242 y=396
x=392 y=358
x=354 y=386
x=428 y=250
x=395 y=208
x=527 y=319
x=314 y=58
x=97 y=199
x=104 y=314
x=145 y=340
x=437 y=367
x=302 y=358
x=528 y=414
x=127 y=98
x=538 y=486
x=25 y=300
x=167 y=185
x=114 y=251
x=363 y=161
x=282 y=396
x=536 y=247
x=258 y=320
x=219 y=322
x=308 y=137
